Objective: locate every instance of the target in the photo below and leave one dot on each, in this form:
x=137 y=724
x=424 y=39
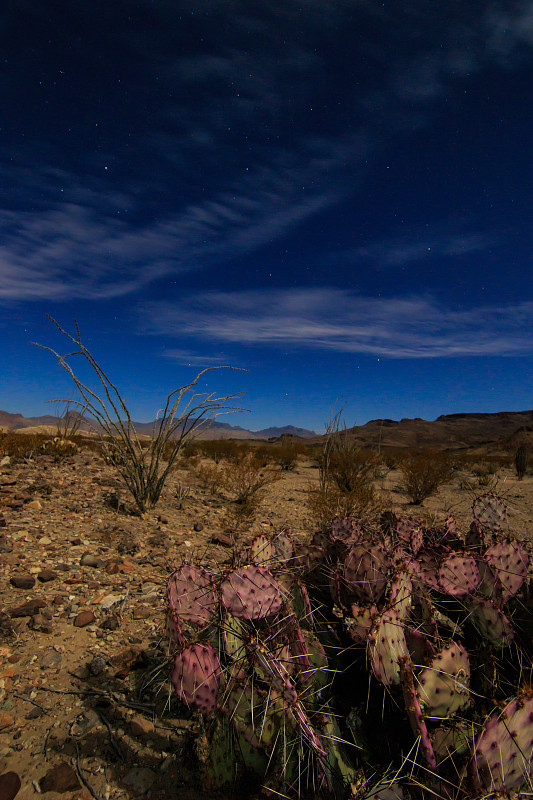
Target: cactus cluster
x=277 y=651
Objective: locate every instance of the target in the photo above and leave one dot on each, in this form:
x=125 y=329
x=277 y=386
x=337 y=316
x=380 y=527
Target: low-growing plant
x=210 y=476
x=423 y=474
x=247 y=477
x=346 y=478
x=142 y=466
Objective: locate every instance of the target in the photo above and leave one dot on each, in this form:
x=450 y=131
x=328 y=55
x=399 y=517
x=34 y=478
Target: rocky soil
x=86 y=706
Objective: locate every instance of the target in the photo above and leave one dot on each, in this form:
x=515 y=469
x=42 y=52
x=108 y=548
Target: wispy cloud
x=189 y=359
x=418 y=245
x=246 y=143
x=333 y=319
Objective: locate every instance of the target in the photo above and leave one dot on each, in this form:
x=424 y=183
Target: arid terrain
x=87 y=708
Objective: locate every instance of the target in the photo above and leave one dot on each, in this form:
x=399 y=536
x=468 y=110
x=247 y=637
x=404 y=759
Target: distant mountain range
x=448 y=432
x=217 y=430
x=502 y=429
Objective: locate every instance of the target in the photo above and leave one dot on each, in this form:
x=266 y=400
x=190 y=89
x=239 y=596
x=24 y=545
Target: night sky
x=335 y=195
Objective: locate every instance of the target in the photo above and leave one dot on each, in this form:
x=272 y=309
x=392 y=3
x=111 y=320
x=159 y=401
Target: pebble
x=10 y=784
x=22 y=581
x=51 y=659
x=46 y=575
x=84 y=618
x=111 y=600
x=141 y=727
x=88 y=560
x=198 y=526
x=40 y=623
x=139 y=779
x=27 y=609
x=62 y=778
x=36 y=505
x=5 y=720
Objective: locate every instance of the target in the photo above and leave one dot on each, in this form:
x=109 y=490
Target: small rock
x=35 y=713
x=22 y=581
x=46 y=575
x=5 y=720
x=97 y=665
x=35 y=504
x=223 y=539
x=5 y=461
x=51 y=659
x=45 y=540
x=27 y=609
x=5 y=545
x=40 y=623
x=60 y=779
x=88 y=560
x=76 y=542
x=110 y=623
x=142 y=612
x=198 y=526
x=84 y=618
x=112 y=567
x=9 y=785
x=163 y=520
x=111 y=600
x=141 y=727
x=139 y=779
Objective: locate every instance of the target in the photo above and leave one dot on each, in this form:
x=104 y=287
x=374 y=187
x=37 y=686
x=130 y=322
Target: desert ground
x=87 y=709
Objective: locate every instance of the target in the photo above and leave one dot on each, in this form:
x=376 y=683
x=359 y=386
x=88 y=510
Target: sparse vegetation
x=423 y=473
x=346 y=478
x=521 y=460
x=141 y=465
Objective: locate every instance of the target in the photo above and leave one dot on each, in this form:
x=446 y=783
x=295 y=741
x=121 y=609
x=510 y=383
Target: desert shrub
x=246 y=477
x=423 y=474
x=346 y=478
x=286 y=455
x=265 y=454
x=326 y=501
x=143 y=469
x=520 y=460
x=21 y=446
x=210 y=476
x=219 y=449
x=483 y=469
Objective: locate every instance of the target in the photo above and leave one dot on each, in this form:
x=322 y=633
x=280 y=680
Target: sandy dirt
x=84 y=674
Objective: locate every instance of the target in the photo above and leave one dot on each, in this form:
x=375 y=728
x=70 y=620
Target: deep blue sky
x=335 y=195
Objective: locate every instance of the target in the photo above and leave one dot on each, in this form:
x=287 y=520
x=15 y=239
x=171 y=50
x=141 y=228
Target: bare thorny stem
x=142 y=470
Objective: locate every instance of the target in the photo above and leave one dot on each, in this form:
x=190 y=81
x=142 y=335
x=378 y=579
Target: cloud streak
x=224 y=135
x=337 y=320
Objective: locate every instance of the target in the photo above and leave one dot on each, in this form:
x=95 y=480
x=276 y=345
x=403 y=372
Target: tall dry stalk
x=143 y=470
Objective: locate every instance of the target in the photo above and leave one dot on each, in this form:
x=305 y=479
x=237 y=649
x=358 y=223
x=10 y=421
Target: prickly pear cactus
x=502 y=756
x=191 y=594
x=443 y=686
x=365 y=572
x=251 y=592
x=510 y=561
x=196 y=676
x=458 y=575
x=387 y=646
x=490 y=511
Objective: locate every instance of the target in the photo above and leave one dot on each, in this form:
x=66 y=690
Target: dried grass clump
x=346 y=478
